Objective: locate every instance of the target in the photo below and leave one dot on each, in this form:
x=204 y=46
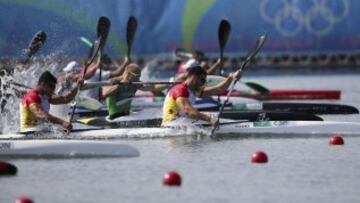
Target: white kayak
x=65 y=148
x=226 y=129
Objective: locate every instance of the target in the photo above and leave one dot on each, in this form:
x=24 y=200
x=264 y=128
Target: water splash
x=10 y=94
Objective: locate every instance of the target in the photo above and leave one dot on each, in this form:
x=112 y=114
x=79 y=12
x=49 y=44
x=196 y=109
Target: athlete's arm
x=90 y=71
x=120 y=69
x=36 y=109
x=64 y=99
x=109 y=90
x=222 y=86
x=153 y=87
x=214 y=67
x=184 y=104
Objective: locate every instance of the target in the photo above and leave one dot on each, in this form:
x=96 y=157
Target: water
x=299 y=169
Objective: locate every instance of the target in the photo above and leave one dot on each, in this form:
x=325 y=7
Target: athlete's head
x=106 y=62
x=196 y=77
x=198 y=55
x=47 y=82
x=132 y=72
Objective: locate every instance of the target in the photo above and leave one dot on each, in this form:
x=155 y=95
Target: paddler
x=103 y=72
x=35 y=105
x=118 y=97
x=197 y=60
x=180 y=99
x=93 y=74
x=199 y=57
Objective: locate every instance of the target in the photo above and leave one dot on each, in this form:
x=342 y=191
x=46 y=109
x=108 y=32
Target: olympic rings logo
x=316 y=16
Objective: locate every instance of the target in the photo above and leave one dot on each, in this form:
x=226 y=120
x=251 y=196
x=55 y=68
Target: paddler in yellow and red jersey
x=180 y=99
x=35 y=105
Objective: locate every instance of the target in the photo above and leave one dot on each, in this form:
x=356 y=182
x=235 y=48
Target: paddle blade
x=130 y=33
x=223 y=33
x=259 y=43
x=35 y=44
x=103 y=29
x=257 y=87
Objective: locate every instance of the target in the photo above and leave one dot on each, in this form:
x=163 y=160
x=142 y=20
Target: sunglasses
x=134 y=74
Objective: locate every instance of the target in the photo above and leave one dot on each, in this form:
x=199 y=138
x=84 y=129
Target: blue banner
x=292 y=25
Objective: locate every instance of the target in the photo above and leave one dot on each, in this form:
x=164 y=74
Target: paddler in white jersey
x=35 y=105
x=180 y=99
x=93 y=74
x=103 y=74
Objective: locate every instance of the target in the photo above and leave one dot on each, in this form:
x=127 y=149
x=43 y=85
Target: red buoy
x=7 y=168
x=259 y=157
x=24 y=200
x=336 y=140
x=172 y=178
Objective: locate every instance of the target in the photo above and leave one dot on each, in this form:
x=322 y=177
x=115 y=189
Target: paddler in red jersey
x=180 y=99
x=35 y=105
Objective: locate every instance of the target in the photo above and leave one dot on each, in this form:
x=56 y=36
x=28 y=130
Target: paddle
x=130 y=34
x=250 y=56
x=35 y=44
x=223 y=35
x=90 y=85
x=257 y=87
x=21 y=85
x=225 y=123
x=102 y=32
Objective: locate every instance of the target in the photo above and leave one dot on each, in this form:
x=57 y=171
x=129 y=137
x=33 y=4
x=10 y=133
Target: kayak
x=296 y=107
x=64 y=148
x=289 y=95
x=226 y=129
x=247 y=111
x=151 y=117
x=256 y=91
x=209 y=104
x=146 y=118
